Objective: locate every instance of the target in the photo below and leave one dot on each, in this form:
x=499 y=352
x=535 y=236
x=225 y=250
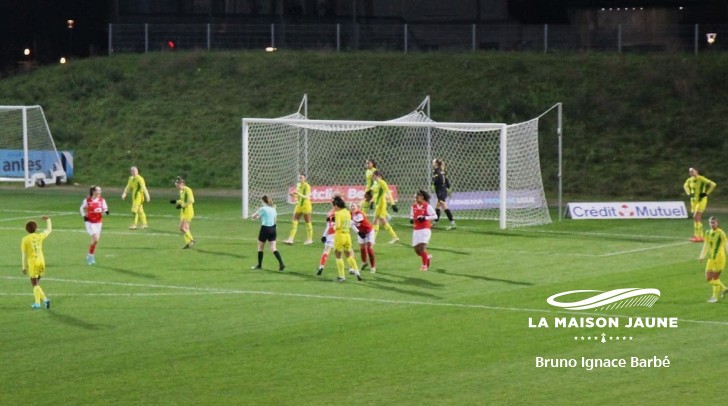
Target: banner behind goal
x=493 y=168
x=27 y=151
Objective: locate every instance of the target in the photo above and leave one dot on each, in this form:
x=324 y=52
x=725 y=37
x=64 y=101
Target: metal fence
x=416 y=37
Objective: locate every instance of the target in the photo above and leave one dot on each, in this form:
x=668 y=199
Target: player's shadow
x=73 y=321
x=128 y=272
x=382 y=284
x=484 y=278
x=222 y=253
x=448 y=250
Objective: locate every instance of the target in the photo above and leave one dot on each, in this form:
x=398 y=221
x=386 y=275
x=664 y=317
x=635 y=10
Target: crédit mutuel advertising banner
x=626 y=210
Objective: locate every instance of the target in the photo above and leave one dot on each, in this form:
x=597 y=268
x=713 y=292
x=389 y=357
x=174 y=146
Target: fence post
x=209 y=35
x=272 y=35
x=619 y=38
x=545 y=38
x=110 y=44
x=405 y=39
x=338 y=37
x=473 y=34
x=696 y=39
x=146 y=37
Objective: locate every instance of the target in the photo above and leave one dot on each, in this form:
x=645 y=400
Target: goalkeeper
x=441 y=185
x=382 y=195
x=698 y=188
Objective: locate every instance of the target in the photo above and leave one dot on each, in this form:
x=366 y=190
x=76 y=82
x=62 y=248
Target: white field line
x=144 y=233
x=192 y=290
x=657 y=247
x=572 y=254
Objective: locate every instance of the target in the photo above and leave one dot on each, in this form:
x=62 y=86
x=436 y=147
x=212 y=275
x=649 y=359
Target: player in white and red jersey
x=365 y=237
x=327 y=239
x=93 y=208
x=421 y=216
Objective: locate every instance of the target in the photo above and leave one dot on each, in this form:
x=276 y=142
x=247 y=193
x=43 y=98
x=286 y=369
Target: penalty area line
x=192 y=290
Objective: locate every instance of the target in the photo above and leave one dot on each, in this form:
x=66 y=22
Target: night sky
x=40 y=25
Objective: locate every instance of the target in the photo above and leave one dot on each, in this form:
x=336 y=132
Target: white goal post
x=494 y=168
x=27 y=151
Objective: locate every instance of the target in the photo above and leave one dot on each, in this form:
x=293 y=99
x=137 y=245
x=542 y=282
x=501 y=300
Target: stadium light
x=710 y=37
x=63 y=60
x=26 y=52
x=270 y=49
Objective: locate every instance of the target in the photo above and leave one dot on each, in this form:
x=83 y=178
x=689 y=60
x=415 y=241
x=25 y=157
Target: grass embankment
x=633 y=124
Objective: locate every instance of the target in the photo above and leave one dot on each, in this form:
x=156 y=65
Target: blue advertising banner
x=12 y=162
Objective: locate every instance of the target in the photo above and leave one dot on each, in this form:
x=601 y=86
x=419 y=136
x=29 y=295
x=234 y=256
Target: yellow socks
x=390 y=230
x=352 y=263
x=340 y=267
x=38 y=294
x=309 y=231
x=294 y=228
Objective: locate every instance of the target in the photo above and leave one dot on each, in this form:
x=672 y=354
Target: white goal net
x=27 y=151
x=493 y=168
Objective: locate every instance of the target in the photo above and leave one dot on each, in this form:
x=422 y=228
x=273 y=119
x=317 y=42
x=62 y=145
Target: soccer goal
x=27 y=151
x=494 y=168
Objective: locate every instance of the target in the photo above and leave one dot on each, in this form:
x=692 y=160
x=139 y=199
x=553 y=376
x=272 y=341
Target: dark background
x=40 y=25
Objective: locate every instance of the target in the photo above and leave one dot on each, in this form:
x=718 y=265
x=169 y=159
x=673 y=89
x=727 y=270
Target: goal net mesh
x=42 y=156
x=332 y=155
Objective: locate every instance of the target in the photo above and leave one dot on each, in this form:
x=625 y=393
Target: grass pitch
x=151 y=323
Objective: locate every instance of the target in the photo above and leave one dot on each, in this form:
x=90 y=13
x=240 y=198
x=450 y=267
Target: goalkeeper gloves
x=173 y=201
x=371 y=205
x=323 y=239
x=106 y=212
x=85 y=218
x=362 y=234
x=394 y=208
x=412 y=221
x=179 y=206
x=702 y=195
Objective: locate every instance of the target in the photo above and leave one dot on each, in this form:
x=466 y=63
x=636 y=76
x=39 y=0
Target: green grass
x=154 y=324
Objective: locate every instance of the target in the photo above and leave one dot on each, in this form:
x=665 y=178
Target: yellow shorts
x=698 y=205
x=136 y=204
x=187 y=214
x=342 y=242
x=715 y=265
x=305 y=208
x=36 y=269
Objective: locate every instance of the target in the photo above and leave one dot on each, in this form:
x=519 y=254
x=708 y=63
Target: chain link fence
x=125 y=38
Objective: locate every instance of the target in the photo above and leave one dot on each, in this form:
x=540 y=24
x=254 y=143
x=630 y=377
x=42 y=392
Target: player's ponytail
x=267 y=200
x=91 y=191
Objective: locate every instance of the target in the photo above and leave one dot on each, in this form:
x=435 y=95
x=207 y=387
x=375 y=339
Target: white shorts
x=330 y=240
x=421 y=236
x=93 y=228
x=371 y=237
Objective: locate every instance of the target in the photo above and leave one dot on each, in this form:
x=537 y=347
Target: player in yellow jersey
x=186 y=210
x=715 y=248
x=382 y=196
x=342 y=240
x=139 y=194
x=33 y=262
x=303 y=208
x=698 y=188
